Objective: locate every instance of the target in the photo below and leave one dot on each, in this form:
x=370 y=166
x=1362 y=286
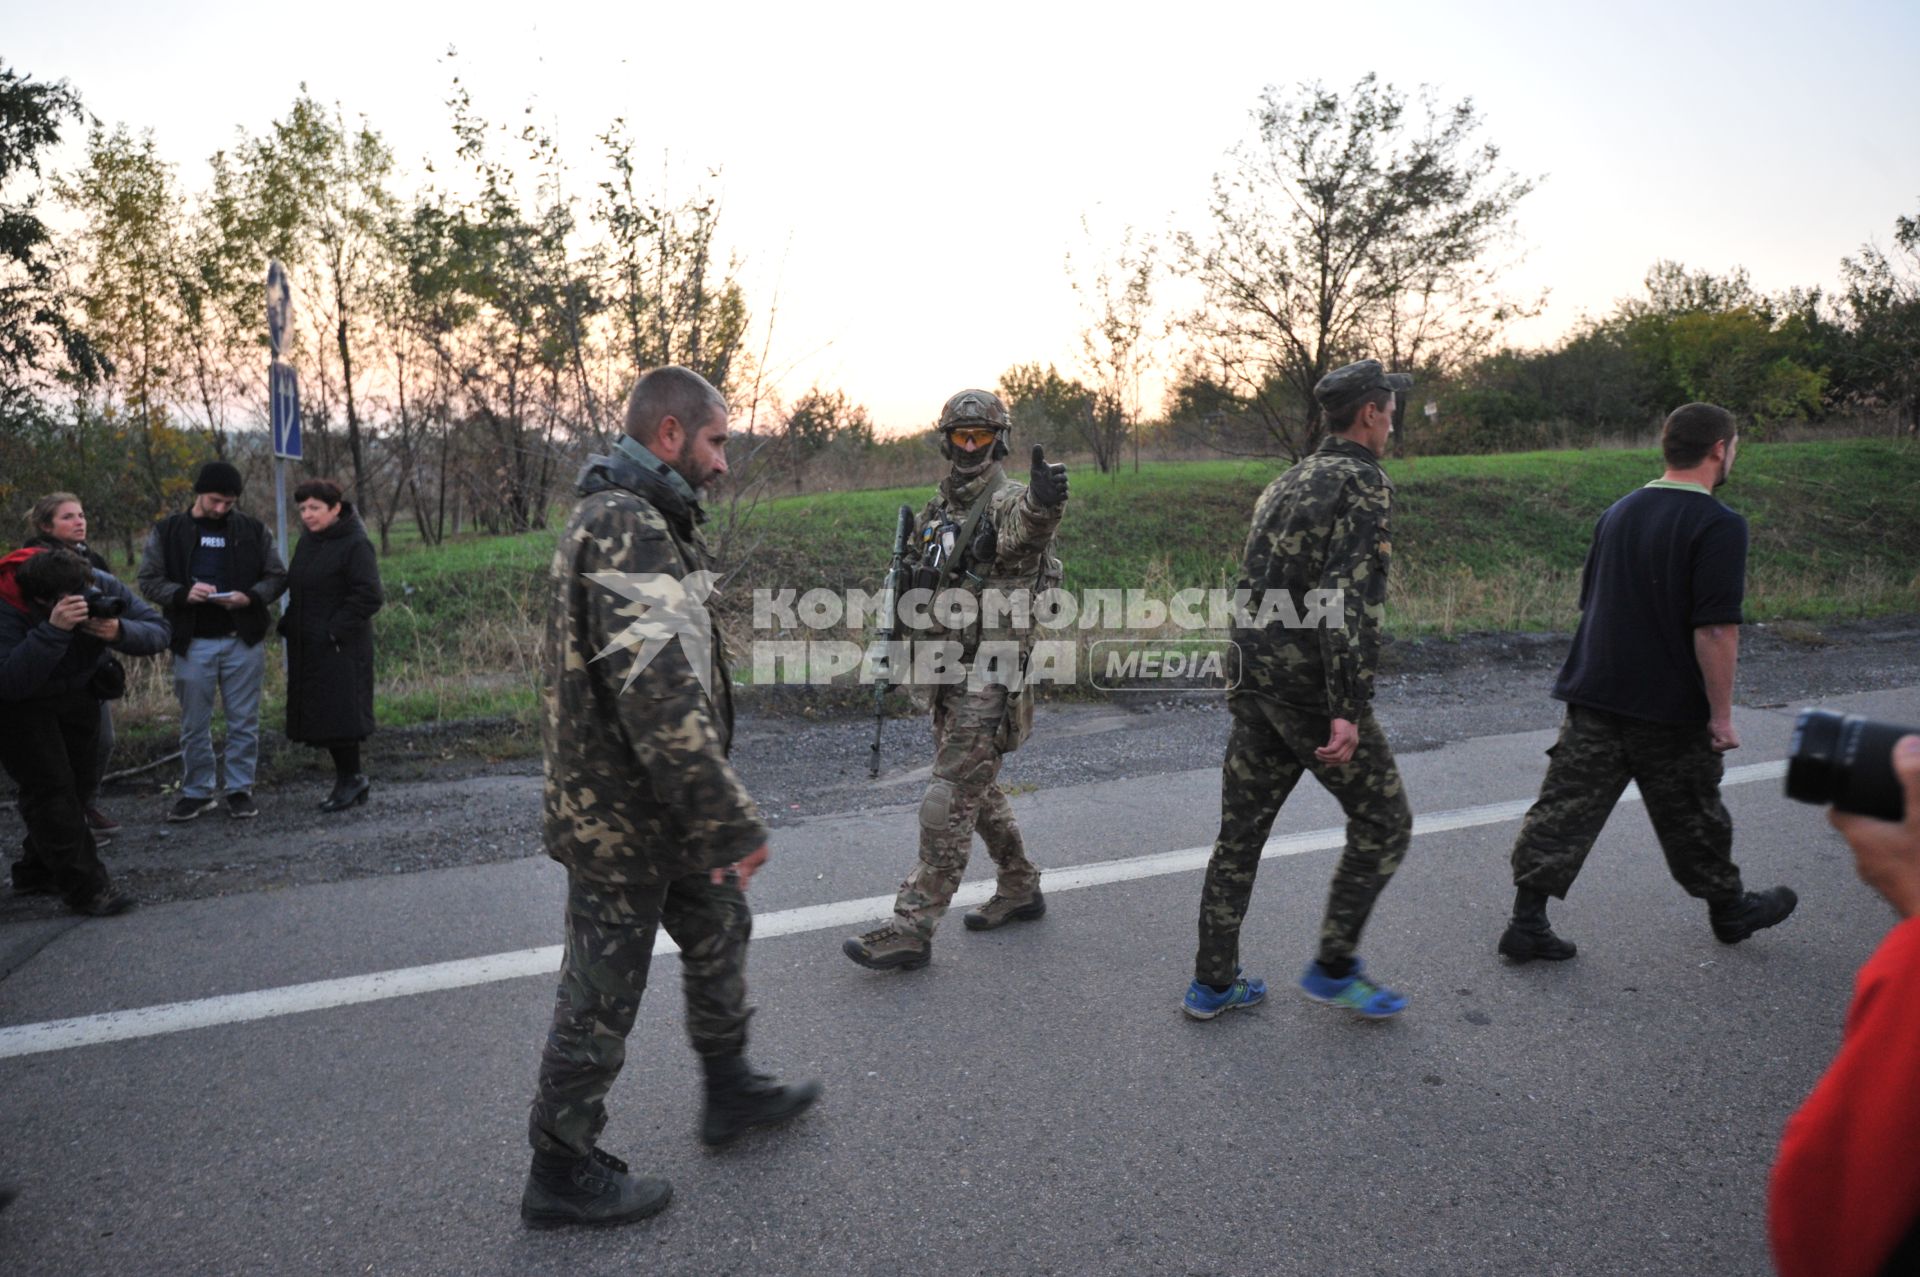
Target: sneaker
x=105 y=903
x=242 y=807
x=188 y=808
x=1202 y=1003
x=100 y=822
x=887 y=949
x=1001 y=910
x=1355 y=992
x=595 y=1190
x=1524 y=944
x=1735 y=920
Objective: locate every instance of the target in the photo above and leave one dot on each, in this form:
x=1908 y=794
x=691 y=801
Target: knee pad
x=936 y=808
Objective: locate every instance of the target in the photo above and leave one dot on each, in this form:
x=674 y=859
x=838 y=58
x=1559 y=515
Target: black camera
x=101 y=605
x=1846 y=760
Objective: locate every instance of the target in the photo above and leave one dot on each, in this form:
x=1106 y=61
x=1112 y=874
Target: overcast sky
x=911 y=178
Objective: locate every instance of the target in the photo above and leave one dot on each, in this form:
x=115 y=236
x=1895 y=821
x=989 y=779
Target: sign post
x=283 y=395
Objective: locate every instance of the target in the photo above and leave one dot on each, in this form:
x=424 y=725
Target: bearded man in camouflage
x=980 y=532
x=641 y=804
x=1315 y=578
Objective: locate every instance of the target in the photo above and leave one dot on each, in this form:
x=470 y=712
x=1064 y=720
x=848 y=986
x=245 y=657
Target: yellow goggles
x=972 y=437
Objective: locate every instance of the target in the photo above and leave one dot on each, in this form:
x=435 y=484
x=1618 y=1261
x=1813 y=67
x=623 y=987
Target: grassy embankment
x=1480 y=543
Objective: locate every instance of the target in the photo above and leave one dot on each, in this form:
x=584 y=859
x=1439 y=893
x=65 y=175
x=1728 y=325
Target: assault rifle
x=888 y=631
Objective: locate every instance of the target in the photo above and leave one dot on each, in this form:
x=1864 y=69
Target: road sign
x=279 y=306
x=284 y=388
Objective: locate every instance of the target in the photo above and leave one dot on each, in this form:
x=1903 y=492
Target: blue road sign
x=284 y=390
x=279 y=306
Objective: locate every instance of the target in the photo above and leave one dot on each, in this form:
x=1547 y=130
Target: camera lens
x=1847 y=761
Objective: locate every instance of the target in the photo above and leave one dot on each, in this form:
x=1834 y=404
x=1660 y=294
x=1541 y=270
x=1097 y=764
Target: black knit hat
x=222 y=477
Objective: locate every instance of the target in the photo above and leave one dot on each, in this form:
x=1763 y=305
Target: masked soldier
x=980 y=532
x=1315 y=571
x=641 y=804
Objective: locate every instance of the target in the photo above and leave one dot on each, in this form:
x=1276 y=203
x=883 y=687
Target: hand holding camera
x=68 y=612
x=1888 y=855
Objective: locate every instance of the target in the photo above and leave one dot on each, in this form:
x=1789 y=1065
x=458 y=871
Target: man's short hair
x=1691 y=431
x=1342 y=420
x=672 y=391
x=53 y=574
x=326 y=491
x=40 y=518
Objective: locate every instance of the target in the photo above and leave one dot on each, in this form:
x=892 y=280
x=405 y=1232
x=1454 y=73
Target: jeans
x=236 y=670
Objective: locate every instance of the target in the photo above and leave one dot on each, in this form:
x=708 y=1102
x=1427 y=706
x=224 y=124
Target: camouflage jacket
x=1023 y=543
x=638 y=787
x=1320 y=526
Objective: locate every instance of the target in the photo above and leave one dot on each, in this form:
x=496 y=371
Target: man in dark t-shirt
x=1649 y=693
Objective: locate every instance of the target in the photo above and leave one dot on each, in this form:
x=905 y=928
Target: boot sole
x=543 y=1221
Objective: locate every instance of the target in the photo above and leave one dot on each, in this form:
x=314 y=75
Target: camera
x=101 y=605
x=1846 y=760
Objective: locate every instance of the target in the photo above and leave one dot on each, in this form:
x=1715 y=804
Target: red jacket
x=1846 y=1190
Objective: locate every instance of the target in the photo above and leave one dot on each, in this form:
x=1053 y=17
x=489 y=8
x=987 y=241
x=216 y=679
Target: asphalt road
x=1032 y=1103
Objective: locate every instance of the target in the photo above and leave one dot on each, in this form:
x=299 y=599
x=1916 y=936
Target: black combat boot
x=738 y=1099
x=1736 y=919
x=597 y=1189
x=1529 y=936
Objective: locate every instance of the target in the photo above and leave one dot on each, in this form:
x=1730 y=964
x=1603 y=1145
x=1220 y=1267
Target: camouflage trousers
x=1679 y=777
x=1271 y=745
x=961 y=800
x=610 y=936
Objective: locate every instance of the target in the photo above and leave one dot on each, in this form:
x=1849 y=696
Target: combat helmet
x=980 y=409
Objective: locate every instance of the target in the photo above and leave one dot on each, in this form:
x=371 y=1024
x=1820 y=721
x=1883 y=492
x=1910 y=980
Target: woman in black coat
x=333 y=590
x=59 y=522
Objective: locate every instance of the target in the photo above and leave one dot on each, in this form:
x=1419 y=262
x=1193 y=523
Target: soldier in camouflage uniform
x=1315 y=573
x=1001 y=534
x=641 y=804
x=1648 y=684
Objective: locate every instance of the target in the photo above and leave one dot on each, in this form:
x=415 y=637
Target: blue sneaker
x=1202 y=1003
x=1356 y=993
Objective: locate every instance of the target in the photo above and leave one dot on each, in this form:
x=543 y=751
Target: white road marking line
x=321 y=995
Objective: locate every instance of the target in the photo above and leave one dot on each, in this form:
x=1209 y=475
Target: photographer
x=1845 y=1198
x=58 y=618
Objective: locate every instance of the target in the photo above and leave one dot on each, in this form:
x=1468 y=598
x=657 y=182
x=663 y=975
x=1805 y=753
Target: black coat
x=333 y=590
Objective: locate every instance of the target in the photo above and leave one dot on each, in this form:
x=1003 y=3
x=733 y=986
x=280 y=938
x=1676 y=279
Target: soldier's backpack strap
x=965 y=539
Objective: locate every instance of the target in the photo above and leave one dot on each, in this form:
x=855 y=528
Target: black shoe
x=595 y=1190
x=348 y=792
x=738 y=1099
x=105 y=903
x=188 y=808
x=1735 y=920
x=241 y=806
x=29 y=879
x=1524 y=944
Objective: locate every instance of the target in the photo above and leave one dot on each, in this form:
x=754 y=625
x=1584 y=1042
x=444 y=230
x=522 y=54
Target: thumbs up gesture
x=1048 y=483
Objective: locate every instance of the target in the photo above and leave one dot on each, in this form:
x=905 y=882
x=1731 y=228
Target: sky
x=908 y=181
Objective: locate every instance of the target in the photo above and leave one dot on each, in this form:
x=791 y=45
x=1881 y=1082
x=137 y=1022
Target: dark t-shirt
x=1663 y=562
x=210 y=559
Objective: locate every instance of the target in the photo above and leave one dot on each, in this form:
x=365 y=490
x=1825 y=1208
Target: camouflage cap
x=975 y=408
x=1344 y=385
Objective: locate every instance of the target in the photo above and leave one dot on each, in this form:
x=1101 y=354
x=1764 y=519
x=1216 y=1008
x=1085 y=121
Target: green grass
x=1493 y=542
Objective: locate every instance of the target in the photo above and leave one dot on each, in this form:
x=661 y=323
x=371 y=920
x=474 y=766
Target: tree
x=1343 y=224
x=37 y=336
x=1044 y=405
x=317 y=190
x=1883 y=309
x=1115 y=345
x=822 y=419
